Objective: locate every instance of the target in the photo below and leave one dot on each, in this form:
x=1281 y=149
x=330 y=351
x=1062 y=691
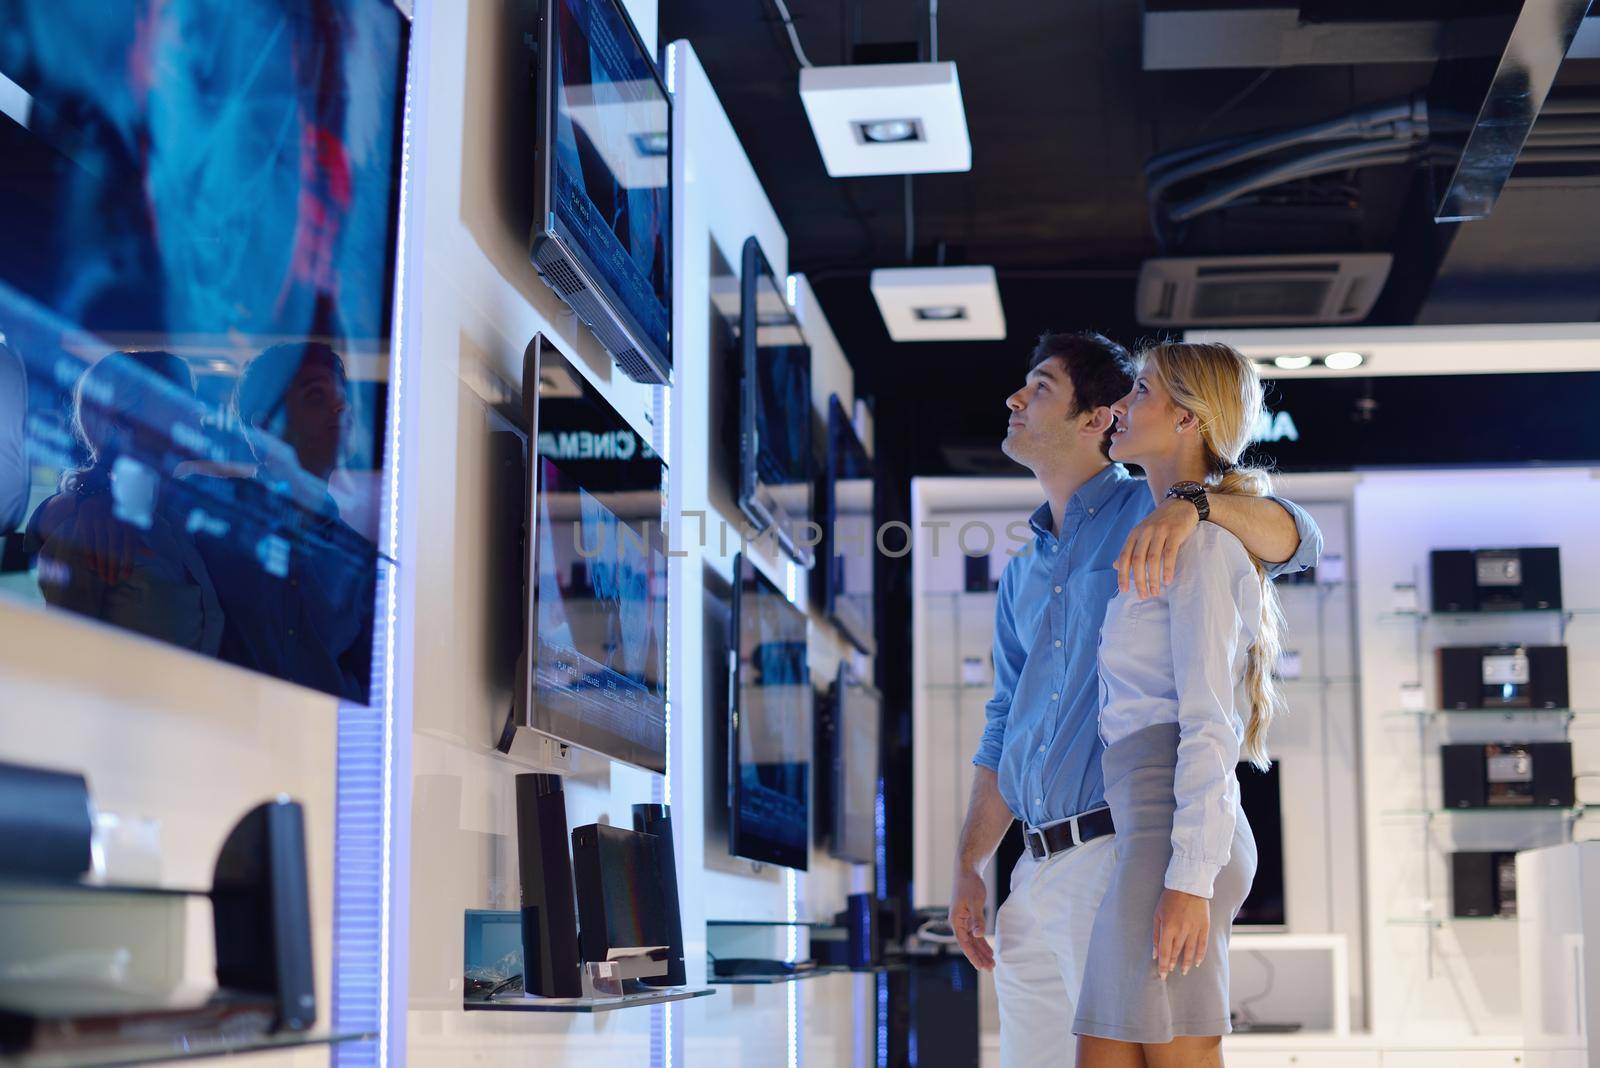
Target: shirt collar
x=1091 y=497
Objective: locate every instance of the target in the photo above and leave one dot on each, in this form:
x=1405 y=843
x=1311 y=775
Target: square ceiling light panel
x=940 y=303
x=887 y=118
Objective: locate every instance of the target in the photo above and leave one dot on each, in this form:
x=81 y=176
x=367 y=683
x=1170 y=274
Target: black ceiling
x=1062 y=118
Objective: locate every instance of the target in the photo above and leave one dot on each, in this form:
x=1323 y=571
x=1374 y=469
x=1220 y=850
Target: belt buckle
x=1038 y=848
x=1077 y=839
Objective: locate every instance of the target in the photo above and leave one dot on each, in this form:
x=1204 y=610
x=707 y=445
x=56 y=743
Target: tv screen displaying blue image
x=198 y=212
x=597 y=659
x=771 y=738
x=775 y=411
x=608 y=189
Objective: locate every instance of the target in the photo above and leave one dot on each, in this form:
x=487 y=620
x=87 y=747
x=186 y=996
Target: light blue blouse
x=1180 y=658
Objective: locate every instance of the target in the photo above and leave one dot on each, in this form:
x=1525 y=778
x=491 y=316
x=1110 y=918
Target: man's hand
x=1149 y=560
x=1182 y=928
x=968 y=900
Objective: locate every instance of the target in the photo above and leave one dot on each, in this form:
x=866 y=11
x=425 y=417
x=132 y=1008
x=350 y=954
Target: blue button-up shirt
x=1042 y=734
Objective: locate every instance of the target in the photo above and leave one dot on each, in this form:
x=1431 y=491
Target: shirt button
x=1053 y=697
x=1041 y=749
x=1091 y=511
x=1058 y=643
x=1058 y=589
x=1038 y=800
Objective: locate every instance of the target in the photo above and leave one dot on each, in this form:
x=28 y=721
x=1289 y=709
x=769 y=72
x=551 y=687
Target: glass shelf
x=192 y=1048
x=770 y=923
x=1467 y=617
x=522 y=1003
x=1573 y=812
x=1437 y=922
x=1504 y=712
x=773 y=980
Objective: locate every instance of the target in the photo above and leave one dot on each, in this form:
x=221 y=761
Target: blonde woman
x=1186 y=690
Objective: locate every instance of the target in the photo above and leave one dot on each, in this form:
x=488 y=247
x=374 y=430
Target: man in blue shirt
x=1039 y=760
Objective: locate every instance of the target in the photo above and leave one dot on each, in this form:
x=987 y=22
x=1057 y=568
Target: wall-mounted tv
x=850 y=530
x=775 y=409
x=596 y=634
x=198 y=212
x=1261 y=802
x=602 y=231
x=852 y=732
x=770 y=740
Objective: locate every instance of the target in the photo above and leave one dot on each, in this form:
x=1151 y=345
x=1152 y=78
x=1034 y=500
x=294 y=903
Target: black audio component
x=1495 y=580
x=657 y=820
x=45 y=824
x=1483 y=884
x=1508 y=775
x=549 y=912
x=261 y=912
x=1503 y=676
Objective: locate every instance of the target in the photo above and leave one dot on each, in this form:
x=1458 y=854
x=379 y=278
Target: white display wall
x=479 y=302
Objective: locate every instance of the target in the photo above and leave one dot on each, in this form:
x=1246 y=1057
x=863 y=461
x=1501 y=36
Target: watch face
x=1187 y=488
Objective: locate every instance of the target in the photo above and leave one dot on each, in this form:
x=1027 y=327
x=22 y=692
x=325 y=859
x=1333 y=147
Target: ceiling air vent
x=1260 y=290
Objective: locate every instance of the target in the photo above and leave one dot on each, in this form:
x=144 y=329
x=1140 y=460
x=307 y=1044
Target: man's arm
x=1276 y=532
x=988 y=818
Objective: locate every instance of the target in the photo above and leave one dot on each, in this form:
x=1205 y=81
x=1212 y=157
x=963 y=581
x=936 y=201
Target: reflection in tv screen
x=772 y=798
x=197 y=220
x=611 y=155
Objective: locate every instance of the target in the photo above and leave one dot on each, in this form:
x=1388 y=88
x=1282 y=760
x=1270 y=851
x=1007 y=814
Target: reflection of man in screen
x=13 y=440
x=296 y=582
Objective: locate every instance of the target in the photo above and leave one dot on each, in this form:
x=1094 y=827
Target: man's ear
x=1099 y=421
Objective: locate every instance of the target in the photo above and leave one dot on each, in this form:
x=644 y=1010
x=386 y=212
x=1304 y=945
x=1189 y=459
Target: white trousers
x=1042 y=936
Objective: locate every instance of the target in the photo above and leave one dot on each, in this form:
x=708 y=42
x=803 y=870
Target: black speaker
x=549 y=912
x=1541 y=578
x=657 y=820
x=1454 y=580
x=45 y=824
x=1503 y=676
x=261 y=913
x=1483 y=884
x=1508 y=775
x=977 y=577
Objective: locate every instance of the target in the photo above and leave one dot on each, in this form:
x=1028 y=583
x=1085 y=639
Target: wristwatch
x=1195 y=494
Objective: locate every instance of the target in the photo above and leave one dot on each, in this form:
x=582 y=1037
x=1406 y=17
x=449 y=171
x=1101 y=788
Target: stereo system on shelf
x=1503 y=676
x=1483 y=884
x=1495 y=580
x=1508 y=775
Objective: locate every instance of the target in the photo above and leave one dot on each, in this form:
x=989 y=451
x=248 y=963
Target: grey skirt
x=1122 y=998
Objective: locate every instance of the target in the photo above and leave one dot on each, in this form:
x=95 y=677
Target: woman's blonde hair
x=1223 y=391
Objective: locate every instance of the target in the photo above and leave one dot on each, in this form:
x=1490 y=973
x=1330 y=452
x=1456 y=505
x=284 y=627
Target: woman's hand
x=1183 y=927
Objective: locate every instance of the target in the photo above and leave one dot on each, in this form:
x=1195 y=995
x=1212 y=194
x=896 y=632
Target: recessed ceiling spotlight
x=940 y=313
x=889 y=131
x=1292 y=363
x=1343 y=361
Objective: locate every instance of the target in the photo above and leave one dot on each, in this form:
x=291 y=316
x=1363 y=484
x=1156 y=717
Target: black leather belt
x=1060 y=837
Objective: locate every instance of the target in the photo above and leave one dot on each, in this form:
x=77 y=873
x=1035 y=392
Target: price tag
x=1412 y=699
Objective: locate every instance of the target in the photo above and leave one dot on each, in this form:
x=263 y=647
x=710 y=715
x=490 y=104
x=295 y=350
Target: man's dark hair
x=1101 y=371
x=265 y=380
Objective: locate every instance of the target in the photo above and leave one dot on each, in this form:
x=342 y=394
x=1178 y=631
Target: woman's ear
x=1188 y=422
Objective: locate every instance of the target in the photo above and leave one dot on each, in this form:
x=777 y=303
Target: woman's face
x=1146 y=421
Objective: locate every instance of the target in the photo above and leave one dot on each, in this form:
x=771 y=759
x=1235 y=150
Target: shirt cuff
x=1191 y=876
x=984 y=759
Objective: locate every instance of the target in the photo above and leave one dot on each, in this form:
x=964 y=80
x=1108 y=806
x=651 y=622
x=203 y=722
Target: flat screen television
x=854 y=761
x=775 y=409
x=602 y=231
x=850 y=530
x=594 y=672
x=199 y=206
x=770 y=739
x=1261 y=800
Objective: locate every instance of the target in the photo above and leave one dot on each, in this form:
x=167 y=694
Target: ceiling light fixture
x=939 y=303
x=889 y=131
x=887 y=118
x=1343 y=361
x=1292 y=363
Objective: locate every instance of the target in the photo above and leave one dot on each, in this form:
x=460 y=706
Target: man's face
x=315 y=408
x=1043 y=416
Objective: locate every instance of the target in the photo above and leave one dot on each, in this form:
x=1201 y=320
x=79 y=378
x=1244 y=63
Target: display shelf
x=1437 y=922
x=11 y=885
x=182 y=1049
x=1571 y=812
x=770 y=923
x=1507 y=713
x=523 y=1003
x=1421 y=615
x=773 y=980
